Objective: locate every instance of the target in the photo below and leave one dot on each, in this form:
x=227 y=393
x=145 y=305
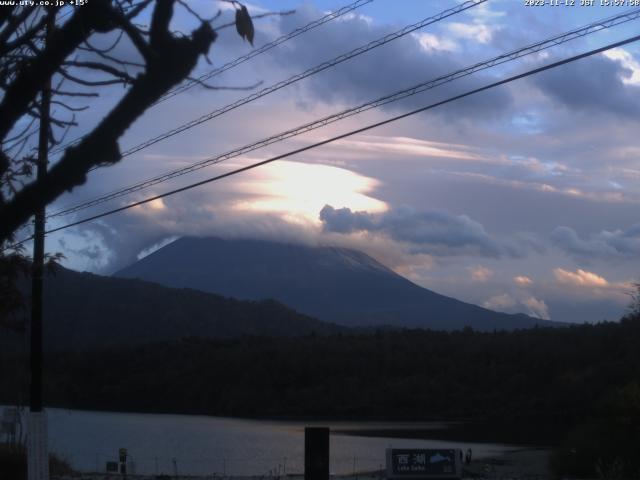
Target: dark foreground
x=529 y=464
x=577 y=388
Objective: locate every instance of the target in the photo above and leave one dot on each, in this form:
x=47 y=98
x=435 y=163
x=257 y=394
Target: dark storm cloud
x=433 y=232
x=592 y=85
x=606 y=244
x=399 y=64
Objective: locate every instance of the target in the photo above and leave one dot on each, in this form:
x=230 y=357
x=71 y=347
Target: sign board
x=424 y=463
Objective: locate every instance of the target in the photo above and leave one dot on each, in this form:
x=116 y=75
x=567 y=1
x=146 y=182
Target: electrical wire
x=300 y=76
x=422 y=87
x=307 y=73
x=238 y=61
x=265 y=48
x=347 y=134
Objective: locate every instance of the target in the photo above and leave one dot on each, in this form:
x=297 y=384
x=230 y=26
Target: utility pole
x=38 y=452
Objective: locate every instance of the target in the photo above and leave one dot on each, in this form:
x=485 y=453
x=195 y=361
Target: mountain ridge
x=333 y=284
x=84 y=310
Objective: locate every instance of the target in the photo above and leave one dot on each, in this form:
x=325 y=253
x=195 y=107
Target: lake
x=200 y=445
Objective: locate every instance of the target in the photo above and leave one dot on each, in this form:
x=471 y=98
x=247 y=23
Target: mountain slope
x=333 y=284
x=86 y=310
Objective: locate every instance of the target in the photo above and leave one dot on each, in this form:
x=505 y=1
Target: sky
x=523 y=198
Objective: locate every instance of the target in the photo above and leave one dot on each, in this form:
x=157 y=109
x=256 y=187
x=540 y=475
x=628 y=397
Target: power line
x=318 y=68
x=298 y=31
x=238 y=61
x=307 y=73
x=422 y=87
x=349 y=134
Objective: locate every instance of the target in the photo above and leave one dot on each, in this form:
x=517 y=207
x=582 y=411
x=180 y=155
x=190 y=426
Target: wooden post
x=38 y=452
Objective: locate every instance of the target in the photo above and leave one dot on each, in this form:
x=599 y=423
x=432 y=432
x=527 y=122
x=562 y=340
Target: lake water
x=199 y=445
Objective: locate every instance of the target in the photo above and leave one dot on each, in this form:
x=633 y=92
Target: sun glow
x=300 y=190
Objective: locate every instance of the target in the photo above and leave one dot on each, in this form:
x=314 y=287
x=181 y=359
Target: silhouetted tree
x=29 y=62
x=634 y=305
x=42 y=46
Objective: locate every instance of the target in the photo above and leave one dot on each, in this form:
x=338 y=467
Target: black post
x=37 y=452
x=316 y=453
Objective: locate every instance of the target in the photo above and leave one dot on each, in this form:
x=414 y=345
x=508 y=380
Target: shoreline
x=518 y=463
x=523 y=463
x=457 y=430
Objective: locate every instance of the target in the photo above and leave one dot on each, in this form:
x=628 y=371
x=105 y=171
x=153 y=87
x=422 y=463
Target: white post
x=37 y=449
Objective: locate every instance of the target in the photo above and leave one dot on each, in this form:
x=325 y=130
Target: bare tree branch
x=66 y=93
x=171 y=60
x=31 y=78
x=90 y=83
x=123 y=76
x=69 y=107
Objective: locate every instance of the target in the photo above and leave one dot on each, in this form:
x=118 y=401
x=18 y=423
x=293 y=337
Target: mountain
x=86 y=310
x=337 y=285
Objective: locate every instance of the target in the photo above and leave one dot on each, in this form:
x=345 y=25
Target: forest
x=562 y=386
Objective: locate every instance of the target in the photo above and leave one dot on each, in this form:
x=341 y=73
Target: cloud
x=530 y=305
x=413 y=147
x=522 y=281
x=433 y=232
x=432 y=43
x=628 y=62
x=589 y=285
x=399 y=64
x=484 y=13
x=85 y=251
x=278 y=202
x=530 y=160
x=480 y=274
x=502 y=303
x=606 y=244
x=580 y=278
x=537 y=308
x=576 y=86
x=472 y=31
x=157 y=246
x=300 y=189
x=437 y=233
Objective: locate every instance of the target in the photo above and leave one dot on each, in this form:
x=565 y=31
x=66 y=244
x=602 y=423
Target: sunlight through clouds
x=302 y=190
x=519 y=180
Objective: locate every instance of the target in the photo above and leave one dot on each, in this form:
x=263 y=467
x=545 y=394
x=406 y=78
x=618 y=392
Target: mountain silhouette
x=332 y=284
x=83 y=310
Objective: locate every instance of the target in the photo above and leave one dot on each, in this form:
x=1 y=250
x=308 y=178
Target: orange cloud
x=581 y=278
x=480 y=273
x=522 y=281
x=584 y=283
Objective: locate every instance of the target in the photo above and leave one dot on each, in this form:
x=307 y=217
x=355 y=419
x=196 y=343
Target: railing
x=222 y=468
